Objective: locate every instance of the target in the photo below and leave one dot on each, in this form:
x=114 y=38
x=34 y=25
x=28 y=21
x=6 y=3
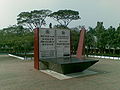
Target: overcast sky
x=90 y=11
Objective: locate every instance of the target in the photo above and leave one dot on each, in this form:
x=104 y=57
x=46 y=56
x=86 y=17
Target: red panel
x=36 y=48
x=81 y=44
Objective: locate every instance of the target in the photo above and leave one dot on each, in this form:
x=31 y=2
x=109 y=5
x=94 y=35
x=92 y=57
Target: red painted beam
x=36 y=48
x=81 y=44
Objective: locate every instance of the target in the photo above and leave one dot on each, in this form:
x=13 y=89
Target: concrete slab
x=18 y=74
x=67 y=65
x=68 y=76
x=16 y=56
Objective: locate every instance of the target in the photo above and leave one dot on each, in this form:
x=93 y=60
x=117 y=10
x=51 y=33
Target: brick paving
x=18 y=74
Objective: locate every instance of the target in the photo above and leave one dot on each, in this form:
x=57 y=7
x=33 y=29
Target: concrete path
x=18 y=74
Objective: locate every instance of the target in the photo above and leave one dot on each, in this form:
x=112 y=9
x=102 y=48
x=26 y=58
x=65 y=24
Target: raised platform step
x=66 y=65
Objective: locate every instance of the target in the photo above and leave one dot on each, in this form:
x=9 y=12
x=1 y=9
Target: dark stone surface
x=66 y=65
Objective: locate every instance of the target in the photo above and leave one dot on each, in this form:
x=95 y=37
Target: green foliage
x=90 y=40
x=19 y=38
x=60 y=27
x=16 y=39
x=101 y=40
x=64 y=17
x=33 y=19
x=74 y=40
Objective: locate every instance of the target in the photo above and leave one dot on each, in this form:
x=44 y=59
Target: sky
x=91 y=11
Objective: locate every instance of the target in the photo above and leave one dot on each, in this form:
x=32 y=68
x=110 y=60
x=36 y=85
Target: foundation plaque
x=54 y=43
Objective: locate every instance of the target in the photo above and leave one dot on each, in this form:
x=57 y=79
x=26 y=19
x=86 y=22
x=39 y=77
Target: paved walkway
x=17 y=74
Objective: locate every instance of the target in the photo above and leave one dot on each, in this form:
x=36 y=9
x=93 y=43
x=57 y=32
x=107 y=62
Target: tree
x=110 y=38
x=118 y=37
x=16 y=39
x=101 y=36
x=74 y=40
x=64 y=17
x=90 y=40
x=33 y=19
x=60 y=26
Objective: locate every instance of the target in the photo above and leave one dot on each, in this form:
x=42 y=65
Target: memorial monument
x=52 y=51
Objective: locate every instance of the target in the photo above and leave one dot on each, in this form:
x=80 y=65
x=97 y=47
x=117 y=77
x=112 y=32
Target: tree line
x=15 y=39
x=37 y=18
x=102 y=41
x=19 y=38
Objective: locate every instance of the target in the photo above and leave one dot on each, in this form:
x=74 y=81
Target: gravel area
x=16 y=74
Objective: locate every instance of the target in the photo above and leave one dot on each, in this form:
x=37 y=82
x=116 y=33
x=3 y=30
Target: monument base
x=69 y=76
x=66 y=65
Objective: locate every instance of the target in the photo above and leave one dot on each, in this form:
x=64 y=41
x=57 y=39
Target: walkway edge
x=16 y=56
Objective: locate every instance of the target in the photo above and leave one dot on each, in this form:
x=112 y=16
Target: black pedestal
x=66 y=65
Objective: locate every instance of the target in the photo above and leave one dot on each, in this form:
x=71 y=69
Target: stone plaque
x=47 y=43
x=63 y=43
x=54 y=43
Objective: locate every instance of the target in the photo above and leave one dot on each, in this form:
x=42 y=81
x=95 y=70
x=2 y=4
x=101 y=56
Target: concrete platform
x=68 y=76
x=66 y=65
x=18 y=74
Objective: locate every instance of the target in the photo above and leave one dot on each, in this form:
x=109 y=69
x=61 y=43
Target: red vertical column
x=81 y=44
x=36 y=48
